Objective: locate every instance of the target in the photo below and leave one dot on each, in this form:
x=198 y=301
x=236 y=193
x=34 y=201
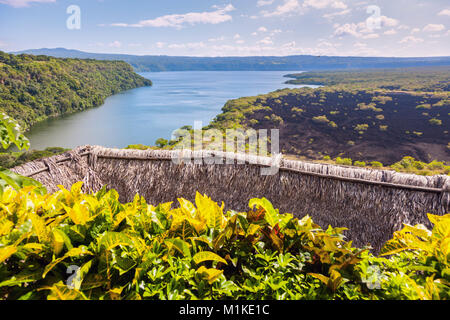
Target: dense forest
x=381 y=119
x=33 y=88
x=259 y=63
x=405 y=79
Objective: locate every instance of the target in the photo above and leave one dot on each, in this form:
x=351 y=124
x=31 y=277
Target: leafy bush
x=359 y=164
x=71 y=245
x=376 y=164
x=161 y=142
x=436 y=122
x=411 y=165
x=344 y=161
x=321 y=119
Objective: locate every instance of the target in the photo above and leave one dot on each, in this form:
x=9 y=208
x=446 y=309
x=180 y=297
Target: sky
x=401 y=28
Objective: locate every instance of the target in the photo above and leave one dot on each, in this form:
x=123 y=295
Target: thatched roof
x=371 y=203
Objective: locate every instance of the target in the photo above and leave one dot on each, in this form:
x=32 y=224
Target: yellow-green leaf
x=271 y=215
x=207 y=256
x=75 y=252
x=210 y=275
x=7 y=252
x=180 y=245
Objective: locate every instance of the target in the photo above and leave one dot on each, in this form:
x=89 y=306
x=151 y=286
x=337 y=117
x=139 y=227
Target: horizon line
x=249 y=56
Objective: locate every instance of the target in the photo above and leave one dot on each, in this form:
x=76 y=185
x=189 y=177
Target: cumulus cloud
x=390 y=32
x=434 y=27
x=180 y=20
x=189 y=45
x=323 y=4
x=287 y=8
x=336 y=14
x=222 y=38
x=115 y=44
x=266 y=41
x=23 y=3
x=363 y=29
x=445 y=12
x=291 y=7
x=160 y=44
x=262 y=3
x=411 y=39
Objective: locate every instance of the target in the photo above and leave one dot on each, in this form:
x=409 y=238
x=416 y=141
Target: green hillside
x=33 y=88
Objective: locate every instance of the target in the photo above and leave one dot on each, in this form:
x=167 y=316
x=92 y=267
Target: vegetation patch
x=33 y=88
x=71 y=245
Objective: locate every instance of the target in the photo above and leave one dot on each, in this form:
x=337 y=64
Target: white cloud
x=388 y=22
x=415 y=30
x=411 y=39
x=262 y=3
x=347 y=29
x=115 y=44
x=434 y=27
x=160 y=45
x=189 y=45
x=237 y=36
x=179 y=20
x=445 y=12
x=390 y=32
x=23 y=3
x=266 y=41
x=323 y=4
x=370 y=36
x=363 y=30
x=262 y=29
x=335 y=14
x=216 y=39
x=276 y=31
x=289 y=7
x=403 y=27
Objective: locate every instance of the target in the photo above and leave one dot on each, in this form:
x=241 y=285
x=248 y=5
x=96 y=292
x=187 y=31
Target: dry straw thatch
x=372 y=204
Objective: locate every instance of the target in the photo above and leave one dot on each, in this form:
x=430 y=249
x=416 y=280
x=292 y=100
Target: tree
x=161 y=143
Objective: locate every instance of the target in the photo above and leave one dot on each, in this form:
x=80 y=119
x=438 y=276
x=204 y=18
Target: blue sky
x=231 y=28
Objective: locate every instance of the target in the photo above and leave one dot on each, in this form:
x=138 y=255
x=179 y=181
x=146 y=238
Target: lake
x=143 y=115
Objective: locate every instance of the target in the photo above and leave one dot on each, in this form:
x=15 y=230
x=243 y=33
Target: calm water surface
x=143 y=115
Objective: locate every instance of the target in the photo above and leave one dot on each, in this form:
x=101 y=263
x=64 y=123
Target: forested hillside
x=361 y=116
x=429 y=79
x=33 y=88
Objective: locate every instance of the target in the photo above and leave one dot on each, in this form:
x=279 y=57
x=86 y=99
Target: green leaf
x=22 y=277
x=10 y=133
x=272 y=215
x=209 y=210
x=210 y=275
x=12 y=179
x=180 y=245
x=208 y=256
x=75 y=252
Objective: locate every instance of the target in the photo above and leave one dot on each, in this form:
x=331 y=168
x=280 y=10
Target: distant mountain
x=257 y=63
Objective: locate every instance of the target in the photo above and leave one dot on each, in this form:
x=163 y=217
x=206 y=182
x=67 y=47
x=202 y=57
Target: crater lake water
x=145 y=114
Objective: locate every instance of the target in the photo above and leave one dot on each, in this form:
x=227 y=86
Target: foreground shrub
x=71 y=245
x=411 y=165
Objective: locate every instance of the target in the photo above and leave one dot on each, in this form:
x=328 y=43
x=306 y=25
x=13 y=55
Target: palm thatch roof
x=371 y=203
